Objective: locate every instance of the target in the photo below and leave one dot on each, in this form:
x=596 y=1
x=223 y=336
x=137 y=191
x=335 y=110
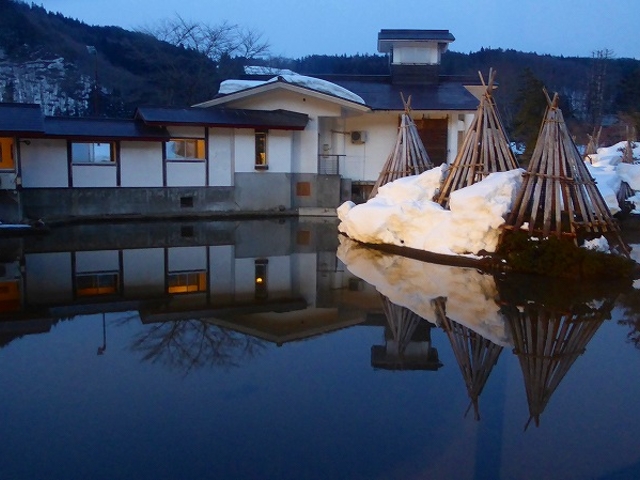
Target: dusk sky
x=295 y=28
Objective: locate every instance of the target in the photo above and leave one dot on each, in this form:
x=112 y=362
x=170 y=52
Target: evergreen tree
x=530 y=107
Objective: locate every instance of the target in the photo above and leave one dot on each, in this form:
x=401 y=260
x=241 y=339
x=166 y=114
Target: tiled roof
x=380 y=94
x=223 y=117
x=21 y=118
x=71 y=127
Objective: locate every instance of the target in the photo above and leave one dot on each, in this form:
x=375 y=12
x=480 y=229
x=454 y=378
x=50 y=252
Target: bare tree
x=214 y=41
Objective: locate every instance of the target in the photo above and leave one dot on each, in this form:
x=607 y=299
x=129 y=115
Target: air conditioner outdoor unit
x=358 y=136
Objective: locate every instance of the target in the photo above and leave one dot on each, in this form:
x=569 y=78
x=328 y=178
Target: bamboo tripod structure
x=476 y=356
x=485 y=148
x=408 y=157
x=559 y=196
x=547 y=342
x=402 y=322
x=404 y=325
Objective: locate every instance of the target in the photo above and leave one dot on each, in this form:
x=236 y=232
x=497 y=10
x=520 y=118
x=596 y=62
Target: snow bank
x=608 y=171
x=403 y=214
x=471 y=297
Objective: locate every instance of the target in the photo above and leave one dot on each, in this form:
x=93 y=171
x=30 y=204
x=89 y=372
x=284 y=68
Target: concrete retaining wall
x=262 y=192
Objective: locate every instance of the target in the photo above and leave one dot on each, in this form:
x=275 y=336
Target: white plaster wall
x=97 y=261
x=141 y=164
x=221 y=272
x=425 y=54
x=44 y=164
x=48 y=278
x=186 y=174
x=187 y=259
x=94 y=175
x=363 y=162
x=244 y=148
x=188 y=132
x=279 y=148
x=221 y=157
x=143 y=271
x=304 y=275
x=286 y=100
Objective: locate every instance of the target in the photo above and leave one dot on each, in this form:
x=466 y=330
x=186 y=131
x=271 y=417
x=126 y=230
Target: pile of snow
x=403 y=214
x=609 y=172
x=471 y=297
x=317 y=84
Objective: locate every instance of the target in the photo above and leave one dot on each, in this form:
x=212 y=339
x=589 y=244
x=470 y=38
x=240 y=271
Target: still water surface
x=250 y=350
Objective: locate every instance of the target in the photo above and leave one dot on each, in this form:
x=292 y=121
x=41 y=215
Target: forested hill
x=56 y=61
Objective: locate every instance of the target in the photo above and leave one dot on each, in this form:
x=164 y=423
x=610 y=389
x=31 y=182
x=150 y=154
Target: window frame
x=7 y=156
x=261 y=158
x=112 y=152
x=195 y=281
x=97 y=289
x=199 y=144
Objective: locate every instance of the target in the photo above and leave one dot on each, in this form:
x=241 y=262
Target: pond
x=272 y=349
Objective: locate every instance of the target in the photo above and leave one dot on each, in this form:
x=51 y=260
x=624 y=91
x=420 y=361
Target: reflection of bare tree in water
x=192 y=344
x=631 y=307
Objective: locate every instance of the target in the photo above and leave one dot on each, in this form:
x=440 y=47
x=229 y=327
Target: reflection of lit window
x=9 y=296
x=185 y=149
x=261 y=150
x=88 y=152
x=261 y=279
x=90 y=284
x=6 y=154
x=187 y=282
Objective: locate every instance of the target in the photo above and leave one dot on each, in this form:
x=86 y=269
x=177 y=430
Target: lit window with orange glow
x=190 y=149
x=261 y=284
x=261 y=150
x=6 y=154
x=187 y=282
x=10 y=296
x=95 y=284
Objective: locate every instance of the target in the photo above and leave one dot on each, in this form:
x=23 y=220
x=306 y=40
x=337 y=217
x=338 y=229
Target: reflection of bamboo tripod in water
x=547 y=342
x=476 y=356
x=408 y=341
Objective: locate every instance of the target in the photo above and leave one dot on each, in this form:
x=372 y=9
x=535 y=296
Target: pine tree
x=530 y=105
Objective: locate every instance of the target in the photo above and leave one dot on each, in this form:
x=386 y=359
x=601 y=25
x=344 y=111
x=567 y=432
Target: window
x=260 y=278
x=187 y=282
x=93 y=152
x=261 y=149
x=185 y=149
x=6 y=154
x=93 y=284
x=9 y=296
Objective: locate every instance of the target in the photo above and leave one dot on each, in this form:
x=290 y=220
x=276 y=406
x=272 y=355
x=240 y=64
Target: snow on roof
x=317 y=84
x=263 y=70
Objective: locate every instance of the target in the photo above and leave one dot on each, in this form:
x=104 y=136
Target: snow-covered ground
x=403 y=214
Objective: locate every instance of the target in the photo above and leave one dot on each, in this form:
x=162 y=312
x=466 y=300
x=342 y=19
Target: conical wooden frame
x=547 y=342
x=485 y=148
x=408 y=157
x=476 y=356
x=558 y=196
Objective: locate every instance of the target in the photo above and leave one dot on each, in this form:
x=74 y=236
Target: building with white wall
x=285 y=144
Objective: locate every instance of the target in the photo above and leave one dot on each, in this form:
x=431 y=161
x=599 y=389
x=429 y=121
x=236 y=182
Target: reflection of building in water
x=259 y=277
x=547 y=341
x=407 y=341
x=476 y=356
